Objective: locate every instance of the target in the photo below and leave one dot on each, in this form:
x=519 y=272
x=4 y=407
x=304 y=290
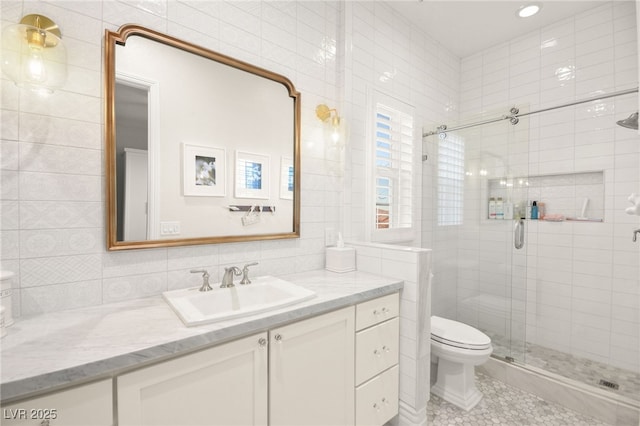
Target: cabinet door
x=225 y=385
x=312 y=371
x=87 y=405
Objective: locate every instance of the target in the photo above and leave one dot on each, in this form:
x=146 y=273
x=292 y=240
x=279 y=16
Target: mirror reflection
x=201 y=148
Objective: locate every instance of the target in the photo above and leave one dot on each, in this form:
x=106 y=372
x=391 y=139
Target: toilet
x=458 y=348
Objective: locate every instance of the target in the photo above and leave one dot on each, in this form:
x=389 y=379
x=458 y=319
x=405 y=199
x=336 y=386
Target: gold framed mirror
x=201 y=148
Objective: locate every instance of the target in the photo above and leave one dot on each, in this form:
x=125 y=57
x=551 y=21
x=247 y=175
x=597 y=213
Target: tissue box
x=341 y=259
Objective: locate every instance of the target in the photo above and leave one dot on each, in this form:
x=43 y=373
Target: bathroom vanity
x=329 y=360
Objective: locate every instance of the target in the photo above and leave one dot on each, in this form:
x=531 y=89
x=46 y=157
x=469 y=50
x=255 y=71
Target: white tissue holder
x=341 y=259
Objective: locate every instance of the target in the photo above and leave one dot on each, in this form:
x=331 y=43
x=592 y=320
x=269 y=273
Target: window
x=392 y=168
x=450 y=180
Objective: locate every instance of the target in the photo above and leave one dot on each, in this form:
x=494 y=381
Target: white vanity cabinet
x=377 y=354
x=312 y=371
x=225 y=385
x=337 y=368
x=298 y=374
x=86 y=405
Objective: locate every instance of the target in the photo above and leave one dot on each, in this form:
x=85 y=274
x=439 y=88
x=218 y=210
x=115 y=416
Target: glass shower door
x=476 y=248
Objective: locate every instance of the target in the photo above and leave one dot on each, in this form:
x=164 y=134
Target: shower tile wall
x=52 y=178
x=582 y=280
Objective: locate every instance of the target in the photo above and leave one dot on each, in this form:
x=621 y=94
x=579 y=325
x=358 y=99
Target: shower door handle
x=518 y=234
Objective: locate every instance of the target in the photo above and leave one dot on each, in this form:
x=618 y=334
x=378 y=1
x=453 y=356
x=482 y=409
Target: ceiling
x=467 y=27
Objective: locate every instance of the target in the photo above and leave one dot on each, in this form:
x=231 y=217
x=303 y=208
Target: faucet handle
x=245 y=273
x=205 y=279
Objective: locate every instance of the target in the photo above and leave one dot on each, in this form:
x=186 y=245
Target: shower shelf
x=563 y=194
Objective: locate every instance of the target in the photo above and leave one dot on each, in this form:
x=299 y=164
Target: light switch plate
x=170 y=228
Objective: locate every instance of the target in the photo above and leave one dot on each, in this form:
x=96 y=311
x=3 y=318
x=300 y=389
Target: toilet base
x=456 y=384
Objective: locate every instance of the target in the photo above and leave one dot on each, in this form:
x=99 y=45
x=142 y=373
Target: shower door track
x=515 y=114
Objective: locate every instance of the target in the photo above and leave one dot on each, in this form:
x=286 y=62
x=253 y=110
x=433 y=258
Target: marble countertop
x=52 y=351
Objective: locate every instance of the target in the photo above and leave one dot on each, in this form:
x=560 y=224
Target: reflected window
x=450 y=180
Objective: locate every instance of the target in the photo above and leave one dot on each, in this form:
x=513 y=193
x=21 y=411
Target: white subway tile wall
x=578 y=284
x=52 y=188
x=52 y=150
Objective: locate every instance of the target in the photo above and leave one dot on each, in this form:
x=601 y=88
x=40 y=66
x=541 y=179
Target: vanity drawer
x=377 y=310
x=377 y=399
x=377 y=349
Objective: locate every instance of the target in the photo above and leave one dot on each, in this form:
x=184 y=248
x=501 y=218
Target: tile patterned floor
x=572 y=367
x=584 y=370
x=505 y=405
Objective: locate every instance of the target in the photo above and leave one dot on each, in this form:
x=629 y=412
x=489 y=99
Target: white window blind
x=450 y=180
x=393 y=167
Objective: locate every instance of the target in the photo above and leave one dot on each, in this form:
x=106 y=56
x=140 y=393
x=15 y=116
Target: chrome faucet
x=227 y=278
x=245 y=273
x=635 y=235
x=205 y=279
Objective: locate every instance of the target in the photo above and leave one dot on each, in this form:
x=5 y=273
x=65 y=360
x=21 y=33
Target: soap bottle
x=492 y=208
x=508 y=210
x=534 y=210
x=527 y=210
x=499 y=208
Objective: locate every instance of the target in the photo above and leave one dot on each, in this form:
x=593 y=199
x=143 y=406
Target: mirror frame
x=119 y=38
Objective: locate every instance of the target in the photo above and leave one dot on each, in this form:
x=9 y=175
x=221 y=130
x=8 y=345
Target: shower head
x=630 y=122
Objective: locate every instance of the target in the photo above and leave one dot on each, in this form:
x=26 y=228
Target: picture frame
x=252 y=175
x=204 y=171
x=286 y=178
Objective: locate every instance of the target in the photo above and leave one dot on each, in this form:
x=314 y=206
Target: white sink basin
x=263 y=294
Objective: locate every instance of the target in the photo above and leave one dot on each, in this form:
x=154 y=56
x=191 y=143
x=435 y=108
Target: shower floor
x=575 y=368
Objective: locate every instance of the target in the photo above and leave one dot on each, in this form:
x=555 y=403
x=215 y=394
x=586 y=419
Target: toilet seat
x=457 y=334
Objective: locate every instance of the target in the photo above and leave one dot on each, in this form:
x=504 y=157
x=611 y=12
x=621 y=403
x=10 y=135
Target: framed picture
x=286 y=178
x=252 y=175
x=204 y=171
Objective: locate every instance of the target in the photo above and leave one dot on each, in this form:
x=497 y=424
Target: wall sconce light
x=33 y=55
x=334 y=121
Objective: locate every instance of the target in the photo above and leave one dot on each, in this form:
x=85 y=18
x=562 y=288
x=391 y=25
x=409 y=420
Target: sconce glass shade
x=333 y=123
x=33 y=55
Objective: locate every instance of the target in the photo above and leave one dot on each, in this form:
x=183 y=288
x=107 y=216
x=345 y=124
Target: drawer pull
x=382 y=311
x=384 y=350
x=377 y=406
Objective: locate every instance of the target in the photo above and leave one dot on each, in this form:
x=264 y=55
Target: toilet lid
x=457 y=334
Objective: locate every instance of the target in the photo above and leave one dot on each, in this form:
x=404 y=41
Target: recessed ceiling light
x=528 y=10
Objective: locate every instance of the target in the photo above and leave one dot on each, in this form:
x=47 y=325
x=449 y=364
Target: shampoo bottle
x=534 y=210
x=492 y=208
x=508 y=210
x=499 y=208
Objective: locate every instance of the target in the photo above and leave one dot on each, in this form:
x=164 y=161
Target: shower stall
x=558 y=291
